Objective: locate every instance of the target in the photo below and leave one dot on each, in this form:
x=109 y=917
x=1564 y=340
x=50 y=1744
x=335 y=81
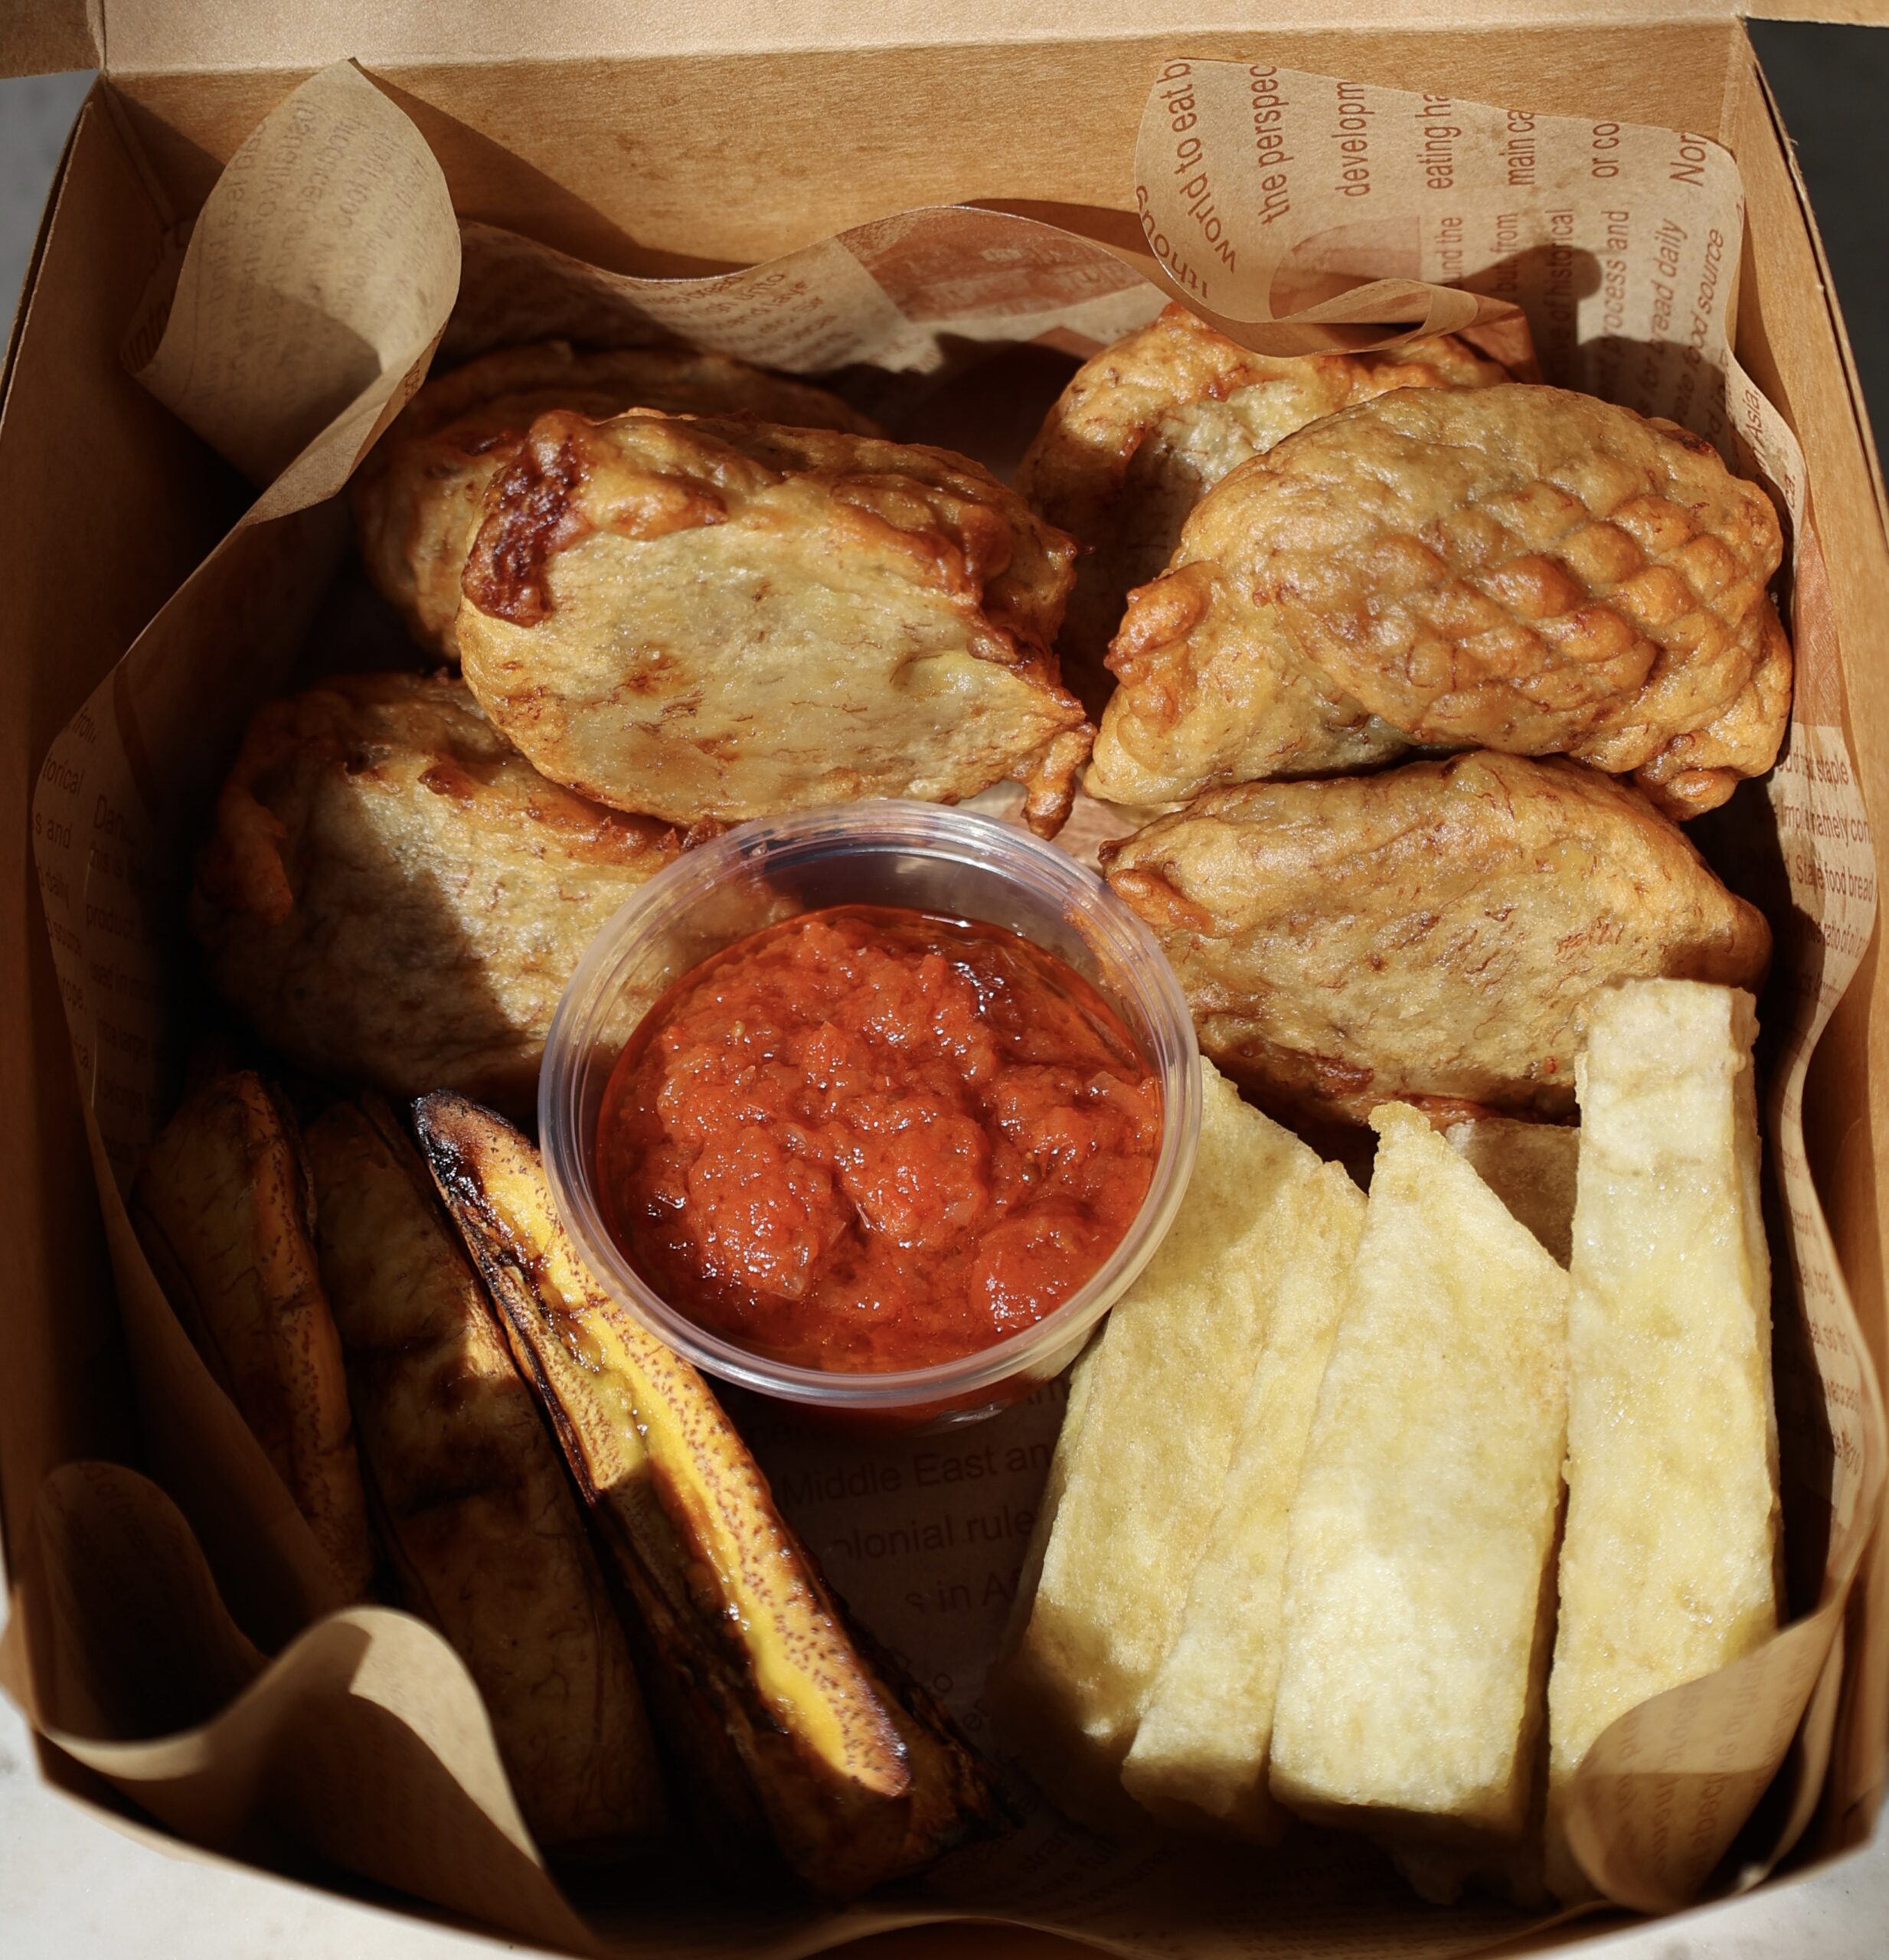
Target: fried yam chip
x=1419 y=1583
x=1148 y=426
x=1200 y=1752
x=720 y=619
x=1669 y=1564
x=417 y=499
x=1430 y=934
x=392 y=895
x=1516 y=568
x=856 y=1775
x=223 y=1210
x=1141 y=1464
x=479 y=1523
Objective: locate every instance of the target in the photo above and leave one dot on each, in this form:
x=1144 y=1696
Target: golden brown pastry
x=1149 y=425
x=1517 y=568
x=416 y=498
x=1431 y=934
x=1213 y=691
x=721 y=619
x=392 y=895
x=1697 y=770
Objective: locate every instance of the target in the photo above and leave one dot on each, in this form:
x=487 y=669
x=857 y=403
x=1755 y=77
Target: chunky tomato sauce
x=870 y=1138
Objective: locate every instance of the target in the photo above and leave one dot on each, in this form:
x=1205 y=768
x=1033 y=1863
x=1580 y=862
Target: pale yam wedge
x=858 y=1781
x=1200 y=1752
x=1669 y=1565
x=1419 y=1585
x=1141 y=1465
x=478 y=1520
x=224 y=1211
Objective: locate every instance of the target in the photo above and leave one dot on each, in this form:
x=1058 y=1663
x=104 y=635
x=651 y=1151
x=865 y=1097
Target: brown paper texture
x=894 y=294
x=1620 y=244
x=311 y=293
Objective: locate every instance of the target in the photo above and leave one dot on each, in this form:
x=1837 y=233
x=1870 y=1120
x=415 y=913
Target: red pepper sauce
x=870 y=1138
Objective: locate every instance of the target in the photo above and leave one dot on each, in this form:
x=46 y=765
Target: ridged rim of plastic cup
x=930 y=830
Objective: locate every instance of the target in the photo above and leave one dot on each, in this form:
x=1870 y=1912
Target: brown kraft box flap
x=287 y=348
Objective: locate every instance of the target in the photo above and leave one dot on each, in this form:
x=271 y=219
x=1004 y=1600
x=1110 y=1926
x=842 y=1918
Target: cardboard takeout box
x=682 y=140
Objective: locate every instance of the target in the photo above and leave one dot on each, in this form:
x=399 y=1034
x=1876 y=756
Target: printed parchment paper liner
x=320 y=279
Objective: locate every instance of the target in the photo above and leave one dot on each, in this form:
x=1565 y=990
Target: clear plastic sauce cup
x=931 y=859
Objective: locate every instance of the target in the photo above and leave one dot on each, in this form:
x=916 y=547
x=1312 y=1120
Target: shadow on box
x=535 y=202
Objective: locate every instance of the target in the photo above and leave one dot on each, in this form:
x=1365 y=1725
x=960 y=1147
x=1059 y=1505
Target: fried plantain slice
x=479 y=1521
x=224 y=1212
x=858 y=1779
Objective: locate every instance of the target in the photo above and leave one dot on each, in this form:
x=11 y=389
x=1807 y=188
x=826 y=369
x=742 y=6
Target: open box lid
x=149 y=36
x=184 y=40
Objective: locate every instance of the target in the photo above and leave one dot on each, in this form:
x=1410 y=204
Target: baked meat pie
x=416 y=498
x=393 y=896
x=1145 y=428
x=721 y=619
x=1433 y=934
x=1697 y=770
x=1514 y=568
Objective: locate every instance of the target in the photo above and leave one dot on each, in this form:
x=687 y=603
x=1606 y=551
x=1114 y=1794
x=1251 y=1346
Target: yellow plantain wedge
x=477 y=1517
x=856 y=1776
x=224 y=1210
